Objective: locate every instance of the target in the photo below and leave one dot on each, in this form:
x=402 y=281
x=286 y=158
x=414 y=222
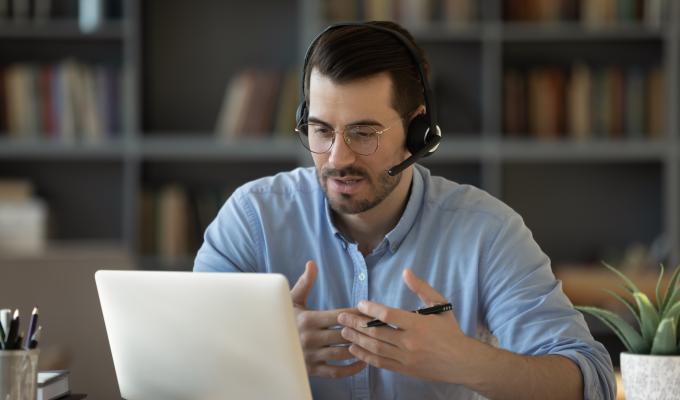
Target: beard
x=378 y=189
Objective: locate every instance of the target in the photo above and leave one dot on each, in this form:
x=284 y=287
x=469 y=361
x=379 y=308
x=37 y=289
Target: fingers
x=304 y=284
x=337 y=371
x=382 y=333
x=331 y=353
x=316 y=339
x=371 y=345
x=392 y=316
x=321 y=319
x=425 y=292
x=375 y=360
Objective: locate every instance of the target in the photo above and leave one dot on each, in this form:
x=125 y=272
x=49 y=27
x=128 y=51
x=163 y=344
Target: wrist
x=481 y=361
x=465 y=356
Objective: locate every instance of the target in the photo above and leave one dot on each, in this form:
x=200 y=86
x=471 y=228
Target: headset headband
x=430 y=112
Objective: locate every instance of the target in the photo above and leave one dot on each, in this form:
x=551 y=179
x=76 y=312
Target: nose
x=340 y=154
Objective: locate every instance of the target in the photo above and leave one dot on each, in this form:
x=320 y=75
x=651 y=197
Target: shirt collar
x=396 y=236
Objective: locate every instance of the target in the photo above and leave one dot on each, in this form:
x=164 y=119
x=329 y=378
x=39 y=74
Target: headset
x=423 y=133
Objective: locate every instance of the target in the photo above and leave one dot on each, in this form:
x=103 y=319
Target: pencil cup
x=18 y=374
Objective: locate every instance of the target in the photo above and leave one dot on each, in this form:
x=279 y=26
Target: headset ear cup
x=416 y=134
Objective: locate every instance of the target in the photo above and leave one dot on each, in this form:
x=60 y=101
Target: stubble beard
x=348 y=203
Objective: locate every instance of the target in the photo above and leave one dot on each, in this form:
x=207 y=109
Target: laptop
x=186 y=335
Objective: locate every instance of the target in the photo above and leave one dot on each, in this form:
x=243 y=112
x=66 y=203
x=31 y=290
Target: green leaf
x=648 y=316
x=673 y=299
x=627 y=303
x=673 y=312
x=629 y=284
x=671 y=289
x=628 y=335
x=659 y=300
x=664 y=340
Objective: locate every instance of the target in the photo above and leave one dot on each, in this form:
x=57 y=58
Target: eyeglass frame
x=378 y=134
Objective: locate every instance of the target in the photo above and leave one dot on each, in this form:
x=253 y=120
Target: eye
x=320 y=130
x=362 y=132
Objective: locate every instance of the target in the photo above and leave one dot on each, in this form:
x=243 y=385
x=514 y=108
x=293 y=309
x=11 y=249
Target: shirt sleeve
x=527 y=311
x=231 y=241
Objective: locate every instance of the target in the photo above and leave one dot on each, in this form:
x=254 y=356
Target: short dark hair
x=353 y=52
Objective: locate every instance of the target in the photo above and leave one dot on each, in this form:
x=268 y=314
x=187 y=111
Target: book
x=173 y=226
x=52 y=384
x=15 y=190
x=579 y=102
x=655 y=104
x=23 y=226
x=514 y=104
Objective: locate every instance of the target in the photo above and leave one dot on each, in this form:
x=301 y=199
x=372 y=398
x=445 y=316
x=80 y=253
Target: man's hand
x=429 y=347
x=319 y=343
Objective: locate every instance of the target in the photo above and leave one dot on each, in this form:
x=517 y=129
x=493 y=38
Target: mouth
x=345 y=185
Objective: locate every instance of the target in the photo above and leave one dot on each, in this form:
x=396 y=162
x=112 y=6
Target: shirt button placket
x=360 y=382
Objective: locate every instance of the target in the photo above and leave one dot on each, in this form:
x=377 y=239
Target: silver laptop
x=185 y=335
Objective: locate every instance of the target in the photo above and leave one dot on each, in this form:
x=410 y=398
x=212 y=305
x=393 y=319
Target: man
x=361 y=244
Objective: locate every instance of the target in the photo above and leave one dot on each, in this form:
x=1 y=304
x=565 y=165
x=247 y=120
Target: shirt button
x=362 y=276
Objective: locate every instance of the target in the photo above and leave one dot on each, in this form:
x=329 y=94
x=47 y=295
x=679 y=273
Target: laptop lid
x=185 y=335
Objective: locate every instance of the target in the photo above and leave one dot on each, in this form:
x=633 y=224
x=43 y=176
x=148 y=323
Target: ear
x=418 y=111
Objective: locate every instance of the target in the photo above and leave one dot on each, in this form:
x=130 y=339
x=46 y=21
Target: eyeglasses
x=319 y=138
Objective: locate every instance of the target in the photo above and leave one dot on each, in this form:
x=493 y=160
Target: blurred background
x=124 y=125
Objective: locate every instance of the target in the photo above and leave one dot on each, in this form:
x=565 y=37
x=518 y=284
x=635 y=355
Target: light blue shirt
x=468 y=245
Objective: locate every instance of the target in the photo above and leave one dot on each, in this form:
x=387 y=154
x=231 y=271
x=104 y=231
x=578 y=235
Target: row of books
x=421 y=13
x=592 y=13
x=173 y=219
x=66 y=101
x=259 y=102
x=584 y=101
x=412 y=14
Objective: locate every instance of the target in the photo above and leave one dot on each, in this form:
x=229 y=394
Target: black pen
x=436 y=309
x=2 y=337
x=35 y=338
x=32 y=326
x=13 y=332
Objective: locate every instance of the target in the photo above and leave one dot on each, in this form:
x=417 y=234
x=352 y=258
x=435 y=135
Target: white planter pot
x=647 y=377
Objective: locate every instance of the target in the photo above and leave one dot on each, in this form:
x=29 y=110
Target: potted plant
x=650 y=369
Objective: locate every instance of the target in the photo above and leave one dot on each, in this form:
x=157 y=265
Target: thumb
x=304 y=284
x=425 y=292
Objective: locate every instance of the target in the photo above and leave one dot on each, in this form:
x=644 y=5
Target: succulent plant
x=658 y=324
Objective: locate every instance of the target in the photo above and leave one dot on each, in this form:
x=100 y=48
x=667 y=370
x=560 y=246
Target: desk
x=619 y=386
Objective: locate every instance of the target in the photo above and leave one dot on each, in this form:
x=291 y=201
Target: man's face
x=354 y=183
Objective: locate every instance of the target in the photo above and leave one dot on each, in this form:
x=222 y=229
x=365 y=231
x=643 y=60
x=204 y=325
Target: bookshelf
x=584 y=199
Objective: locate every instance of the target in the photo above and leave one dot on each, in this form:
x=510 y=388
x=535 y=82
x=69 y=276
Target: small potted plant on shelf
x=650 y=369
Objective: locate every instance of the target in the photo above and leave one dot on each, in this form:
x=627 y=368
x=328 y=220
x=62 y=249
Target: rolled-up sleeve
x=527 y=311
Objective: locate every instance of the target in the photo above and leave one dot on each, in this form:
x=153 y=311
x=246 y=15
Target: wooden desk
x=619 y=387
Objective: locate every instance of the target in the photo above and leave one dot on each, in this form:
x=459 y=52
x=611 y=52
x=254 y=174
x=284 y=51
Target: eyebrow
x=370 y=122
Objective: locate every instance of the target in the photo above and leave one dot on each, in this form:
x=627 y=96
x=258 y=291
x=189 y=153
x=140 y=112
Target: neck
x=369 y=228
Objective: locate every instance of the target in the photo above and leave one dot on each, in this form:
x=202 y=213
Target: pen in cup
x=13 y=332
x=5 y=319
x=436 y=309
x=35 y=338
x=32 y=326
